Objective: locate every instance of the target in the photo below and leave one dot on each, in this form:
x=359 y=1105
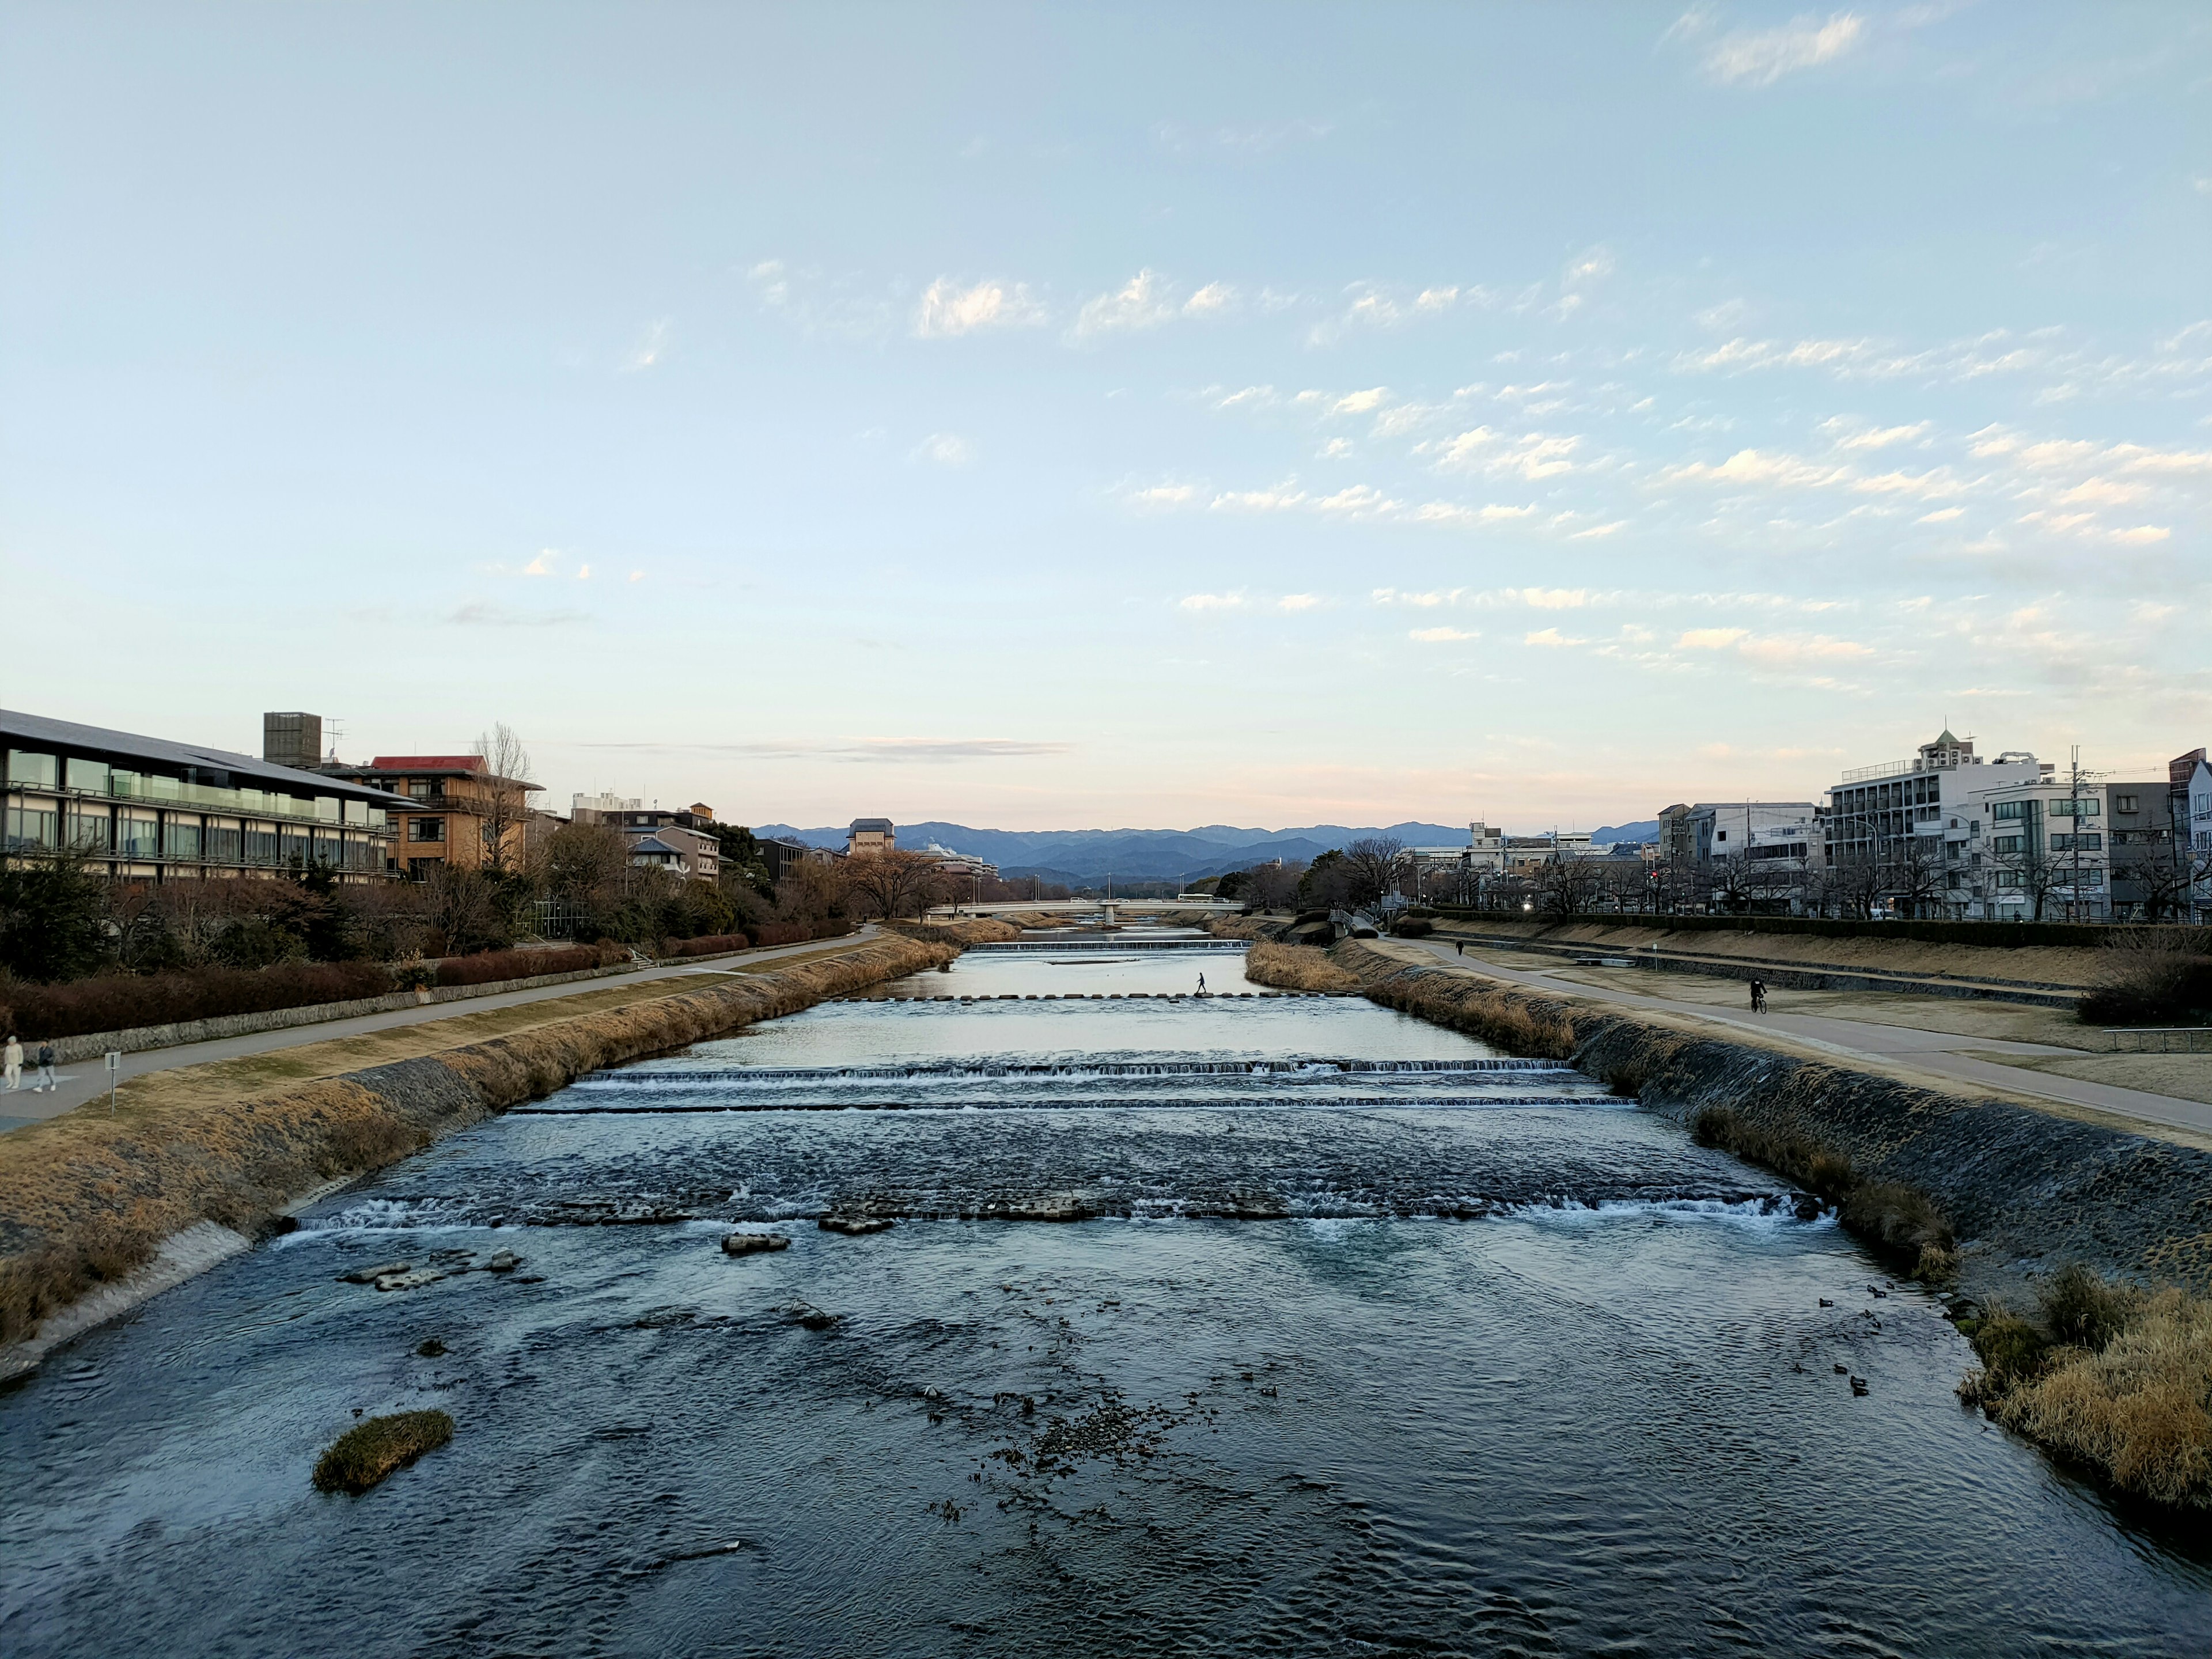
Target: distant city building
x=958 y=864
x=871 y=835
x=602 y=808
x=148 y=808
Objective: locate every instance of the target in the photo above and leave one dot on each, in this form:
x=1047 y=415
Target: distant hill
x=1643 y=830
x=1083 y=856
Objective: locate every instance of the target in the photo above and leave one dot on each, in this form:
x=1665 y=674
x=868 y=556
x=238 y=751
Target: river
x=1367 y=1339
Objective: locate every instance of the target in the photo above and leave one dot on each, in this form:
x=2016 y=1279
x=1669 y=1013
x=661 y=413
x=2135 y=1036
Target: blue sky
x=1057 y=417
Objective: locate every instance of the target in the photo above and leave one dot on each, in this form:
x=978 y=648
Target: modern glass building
x=148 y=809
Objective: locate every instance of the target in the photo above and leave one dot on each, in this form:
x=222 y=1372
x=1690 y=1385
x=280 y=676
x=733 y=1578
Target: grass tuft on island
x=369 y=1451
x=2114 y=1379
x=1296 y=967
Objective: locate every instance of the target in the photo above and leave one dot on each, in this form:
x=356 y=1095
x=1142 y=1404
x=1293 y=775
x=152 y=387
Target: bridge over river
x=1109 y=909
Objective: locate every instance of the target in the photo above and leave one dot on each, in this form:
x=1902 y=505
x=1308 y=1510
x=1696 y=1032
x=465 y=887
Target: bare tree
x=1374 y=863
x=895 y=882
x=1916 y=879
x=1854 y=882
x=1272 y=886
x=2031 y=872
x=1567 y=886
x=506 y=786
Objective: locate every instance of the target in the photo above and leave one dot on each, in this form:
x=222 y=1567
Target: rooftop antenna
x=336 y=729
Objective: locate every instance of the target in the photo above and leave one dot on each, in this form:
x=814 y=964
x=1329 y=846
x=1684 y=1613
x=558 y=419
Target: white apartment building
x=1928 y=809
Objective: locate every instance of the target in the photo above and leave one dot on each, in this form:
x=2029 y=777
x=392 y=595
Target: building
x=781 y=856
x=601 y=807
x=871 y=835
x=2048 y=860
x=2150 y=860
x=149 y=809
x=684 y=842
x=2188 y=797
x=951 y=863
x=455 y=813
x=1726 y=829
x=1916 y=830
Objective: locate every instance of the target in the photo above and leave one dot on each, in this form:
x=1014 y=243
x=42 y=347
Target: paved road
x=86 y=1081
x=1939 y=1052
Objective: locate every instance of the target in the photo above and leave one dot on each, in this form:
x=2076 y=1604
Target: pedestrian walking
x=45 y=1083
x=11 y=1064
x=1201 y=985
x=1460 y=945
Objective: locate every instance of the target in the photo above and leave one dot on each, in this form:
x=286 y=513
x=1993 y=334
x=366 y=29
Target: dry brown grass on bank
x=979 y=930
x=85 y=1198
x=1240 y=927
x=367 y=1453
x=1503 y=1018
x=2115 y=1380
x=1296 y=967
x=1899 y=1221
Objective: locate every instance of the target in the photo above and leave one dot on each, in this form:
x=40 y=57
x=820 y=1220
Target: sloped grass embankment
x=85 y=1199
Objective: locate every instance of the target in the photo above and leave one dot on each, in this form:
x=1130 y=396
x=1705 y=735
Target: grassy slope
x=85 y=1198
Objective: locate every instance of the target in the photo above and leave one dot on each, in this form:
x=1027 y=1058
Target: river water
x=1367 y=1341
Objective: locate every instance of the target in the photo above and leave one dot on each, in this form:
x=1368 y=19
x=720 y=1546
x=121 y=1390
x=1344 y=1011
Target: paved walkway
x=84 y=1080
x=1946 y=1053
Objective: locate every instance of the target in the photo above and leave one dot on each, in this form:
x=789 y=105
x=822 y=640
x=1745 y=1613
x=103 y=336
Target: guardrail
x=2159 y=1040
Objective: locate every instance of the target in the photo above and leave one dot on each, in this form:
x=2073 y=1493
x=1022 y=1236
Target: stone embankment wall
x=2024 y=1191
x=85 y=1200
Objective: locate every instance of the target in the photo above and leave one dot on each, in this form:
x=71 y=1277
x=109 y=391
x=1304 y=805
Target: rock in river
x=854 y=1224
x=753 y=1243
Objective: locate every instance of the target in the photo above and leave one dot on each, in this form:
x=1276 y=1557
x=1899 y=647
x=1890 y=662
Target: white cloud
x=1146 y=300
x=1359 y=403
x=1181 y=495
x=1555 y=599
x=583 y=573
x=945 y=449
x=637 y=575
x=1336 y=449
x=1709 y=638
x=1941 y=515
x=1759 y=57
x=1878 y=437
x=946 y=309
x=1440 y=635
x=1549 y=638
x=1295 y=601
x=1212 y=602
x=1532 y=455
x=540 y=566
x=1598 y=530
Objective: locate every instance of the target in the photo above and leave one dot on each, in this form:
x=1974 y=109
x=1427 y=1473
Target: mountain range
x=1083 y=856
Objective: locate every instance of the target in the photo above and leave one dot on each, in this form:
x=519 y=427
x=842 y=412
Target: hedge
x=2011 y=935
x=487 y=967
x=710 y=944
x=120 y=1002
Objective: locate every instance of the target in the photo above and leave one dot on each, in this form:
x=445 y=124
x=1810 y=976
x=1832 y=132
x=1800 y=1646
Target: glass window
x=426 y=830
x=30 y=830
x=296 y=848
x=180 y=838
x=262 y=846
x=222 y=844
x=87 y=832
x=138 y=834
x=37 y=770
x=2006 y=809
x=2124 y=804
x=89 y=775
x=326 y=808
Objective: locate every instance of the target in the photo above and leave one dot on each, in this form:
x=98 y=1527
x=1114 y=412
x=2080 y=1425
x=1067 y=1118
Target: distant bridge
x=1111 y=909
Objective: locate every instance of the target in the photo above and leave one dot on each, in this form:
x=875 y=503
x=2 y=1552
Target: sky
x=1085 y=416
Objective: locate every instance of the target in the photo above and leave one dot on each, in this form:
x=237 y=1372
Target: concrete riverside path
x=1947 y=1055
x=87 y=1080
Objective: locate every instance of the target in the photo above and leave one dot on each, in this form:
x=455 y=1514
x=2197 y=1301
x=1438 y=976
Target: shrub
x=2161 y=977
x=709 y=944
x=2125 y=1391
x=367 y=1453
x=1414 y=927
x=489 y=966
x=120 y=1002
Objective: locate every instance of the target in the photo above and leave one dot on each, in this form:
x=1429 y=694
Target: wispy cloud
x=945 y=449
x=1442 y=635
x=946 y=309
x=1759 y=57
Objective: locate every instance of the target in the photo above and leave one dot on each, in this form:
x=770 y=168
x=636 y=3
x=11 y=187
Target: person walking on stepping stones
x=1201 y=985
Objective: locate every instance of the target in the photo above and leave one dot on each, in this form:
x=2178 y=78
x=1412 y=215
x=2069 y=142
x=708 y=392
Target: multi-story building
x=951 y=863
x=871 y=835
x=454 y=814
x=147 y=808
x=1915 y=830
x=1724 y=829
x=2048 y=853
x=683 y=841
x=2149 y=862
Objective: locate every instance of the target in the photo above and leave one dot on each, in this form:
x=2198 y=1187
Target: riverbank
x=91 y=1205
